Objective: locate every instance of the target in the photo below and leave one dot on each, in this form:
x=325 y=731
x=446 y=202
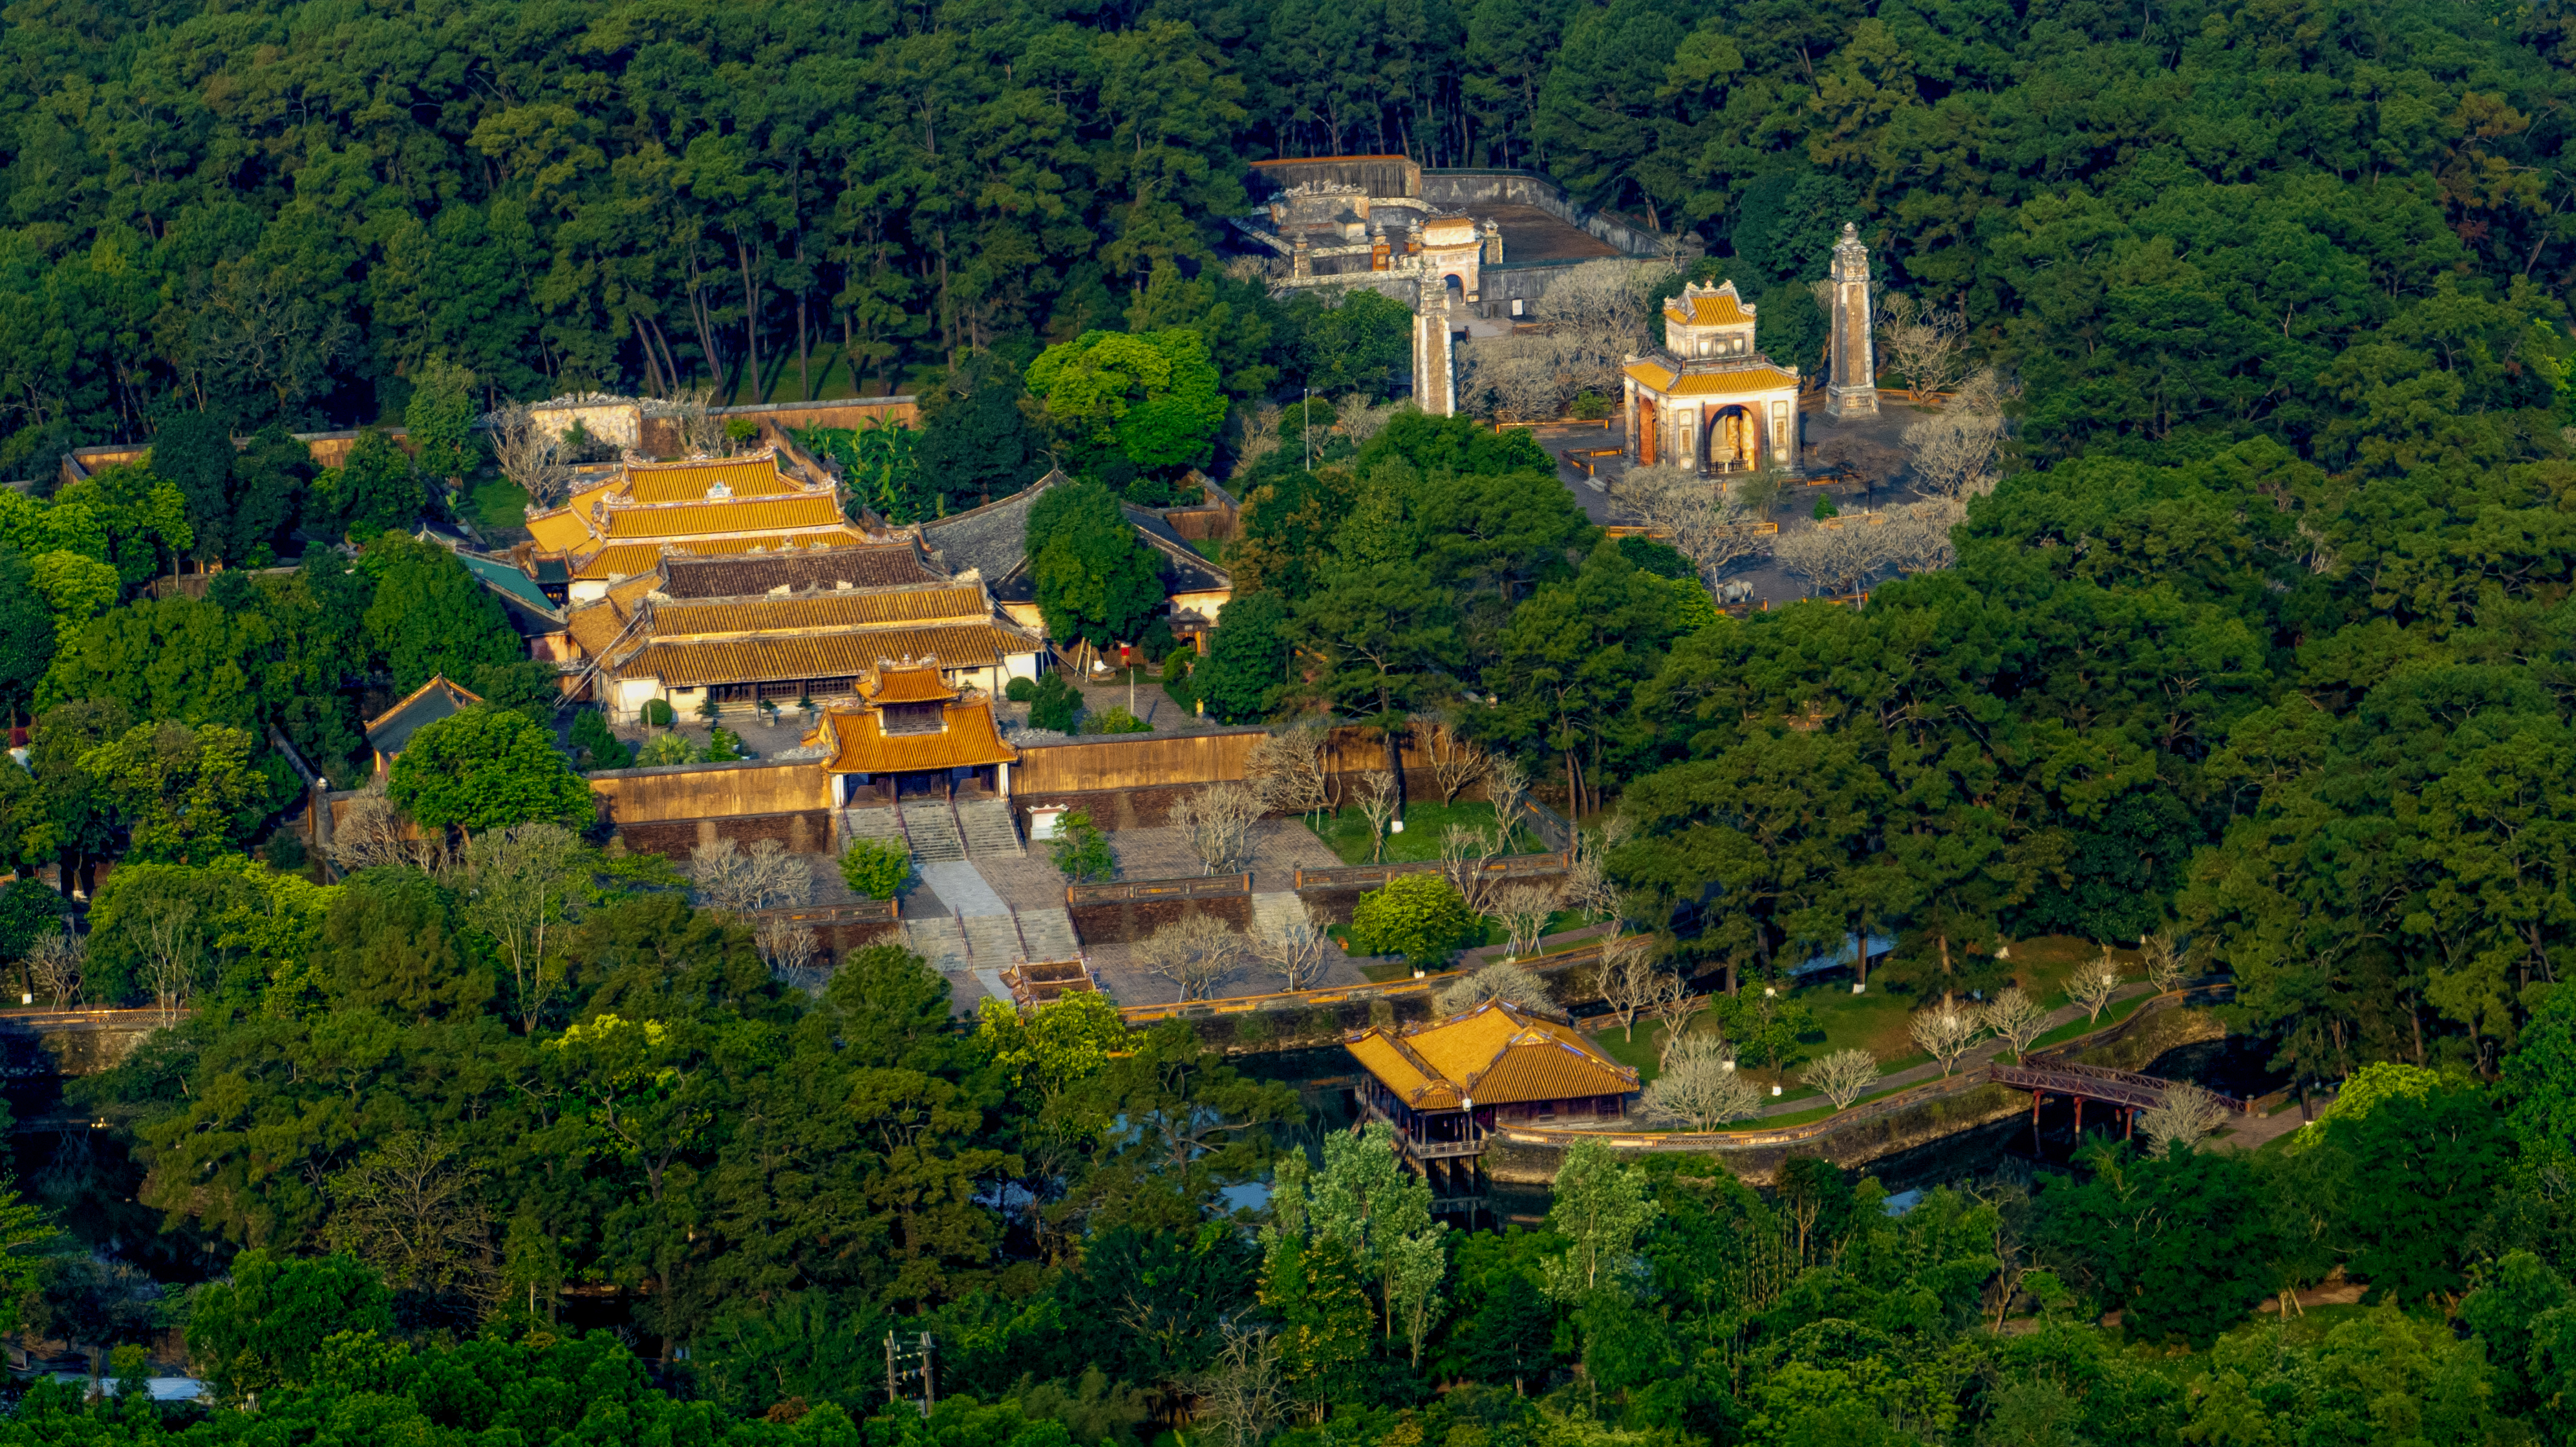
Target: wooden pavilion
x=913 y=734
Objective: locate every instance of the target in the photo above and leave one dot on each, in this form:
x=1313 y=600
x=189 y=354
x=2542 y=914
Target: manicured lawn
x=1424 y=822
x=1875 y=1022
x=2112 y=1014
x=495 y=503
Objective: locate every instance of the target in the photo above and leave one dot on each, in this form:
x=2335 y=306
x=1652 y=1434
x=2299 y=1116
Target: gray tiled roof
x=991 y=539
x=726 y=575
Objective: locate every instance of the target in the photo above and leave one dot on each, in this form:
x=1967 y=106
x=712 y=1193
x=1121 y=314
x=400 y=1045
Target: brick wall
x=803 y=831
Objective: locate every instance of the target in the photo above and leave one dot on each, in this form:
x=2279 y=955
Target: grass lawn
x=1424 y=822
x=495 y=503
x=2112 y=1014
x=1875 y=1022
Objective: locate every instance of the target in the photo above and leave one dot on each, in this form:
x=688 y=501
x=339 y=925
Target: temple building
x=1708 y=399
x=992 y=543
x=620 y=523
x=911 y=733
x=389 y=732
x=787 y=645
x=1445 y=1085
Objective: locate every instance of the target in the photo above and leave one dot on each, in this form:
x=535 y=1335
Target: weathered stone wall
x=1130 y=919
x=40 y=1043
x=803 y=831
x=626 y=797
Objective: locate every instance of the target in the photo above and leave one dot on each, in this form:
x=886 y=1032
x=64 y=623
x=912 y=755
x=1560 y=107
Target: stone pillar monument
x=1301 y=258
x=1851 y=386
x=1434 y=372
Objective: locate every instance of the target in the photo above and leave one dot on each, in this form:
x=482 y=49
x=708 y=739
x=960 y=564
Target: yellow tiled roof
x=1656 y=377
x=710 y=519
x=1495 y=1054
x=687 y=663
x=628 y=592
x=909 y=685
x=627 y=558
x=1709 y=309
x=594 y=626
x=559 y=531
x=858 y=608
x=745 y=477
x=969 y=739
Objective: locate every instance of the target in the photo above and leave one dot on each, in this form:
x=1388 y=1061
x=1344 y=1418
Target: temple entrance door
x=1732 y=445
x=1647 y=427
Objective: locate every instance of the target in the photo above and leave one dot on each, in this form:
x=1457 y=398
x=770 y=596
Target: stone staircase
x=994 y=939
x=880 y=823
x=989 y=827
x=933 y=831
x=1049 y=935
x=1276 y=910
x=938 y=940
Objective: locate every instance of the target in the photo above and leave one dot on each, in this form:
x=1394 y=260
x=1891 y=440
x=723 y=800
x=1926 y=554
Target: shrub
x=876 y=868
x=598 y=744
x=1156 y=640
x=708 y=708
x=1825 y=508
x=1590 y=407
x=1115 y=720
x=1020 y=690
x=1054 y=705
x=1081 y=851
x=723 y=746
x=657 y=713
x=1419 y=916
x=662 y=751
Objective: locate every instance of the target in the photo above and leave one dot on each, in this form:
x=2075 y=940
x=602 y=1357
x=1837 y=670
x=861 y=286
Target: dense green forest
x=2264 y=645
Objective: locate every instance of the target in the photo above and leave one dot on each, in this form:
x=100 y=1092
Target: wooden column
x=2035 y=1099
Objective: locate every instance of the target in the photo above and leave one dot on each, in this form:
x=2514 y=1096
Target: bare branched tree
x=1589 y=890
x=1523 y=910
x=1456 y=761
x=1843 y=1076
x=789 y=949
x=1497 y=982
x=736 y=880
x=1244 y=1394
x=1837 y=560
x=1377 y=799
x=1945 y=1032
x=412 y=1209
x=1699 y=1087
x=2015 y=1018
x=1260 y=435
x=1625 y=978
x=374 y=832
x=1672 y=1004
x=1928 y=345
x=1916 y=539
x=161 y=930
x=1464 y=853
x=2186 y=1114
x=1195 y=954
x=1218 y=821
x=1294 y=948
x=2163 y=961
x=530 y=455
x=1360 y=417
x=1958 y=451
x=1507 y=786
x=1286 y=767
x=2094 y=984
x=1592 y=319
x=54 y=966
x=702 y=433
x=1707 y=520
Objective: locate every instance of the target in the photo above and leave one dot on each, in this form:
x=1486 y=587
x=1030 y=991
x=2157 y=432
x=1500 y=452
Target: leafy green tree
x=976 y=444
x=1080 y=851
x=1247 y=660
x=1419 y=916
x=486 y=768
x=390 y=945
x=182 y=793
x=75 y=587
x=375 y=490
x=194 y=451
x=2179 y=1244
x=1153 y=398
x=26 y=632
x=876 y=868
x=270 y=479
x=438 y=421
x=269 y=1325
x=2538 y=1079
x=1097 y=583
x=429 y=616
x=1601 y=1208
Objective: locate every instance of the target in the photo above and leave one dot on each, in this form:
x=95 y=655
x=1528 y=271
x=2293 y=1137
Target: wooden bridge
x=2126 y=1091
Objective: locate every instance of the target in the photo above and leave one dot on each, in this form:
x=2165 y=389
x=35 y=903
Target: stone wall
x=1373 y=175
x=44 y=1043
x=627 y=797
x=1127 y=920
x=803 y=831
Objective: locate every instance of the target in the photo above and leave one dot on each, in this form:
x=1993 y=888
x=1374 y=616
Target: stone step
x=989 y=827
x=933 y=830
x=1276 y=909
x=1049 y=934
x=881 y=823
x=994 y=939
x=938 y=940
